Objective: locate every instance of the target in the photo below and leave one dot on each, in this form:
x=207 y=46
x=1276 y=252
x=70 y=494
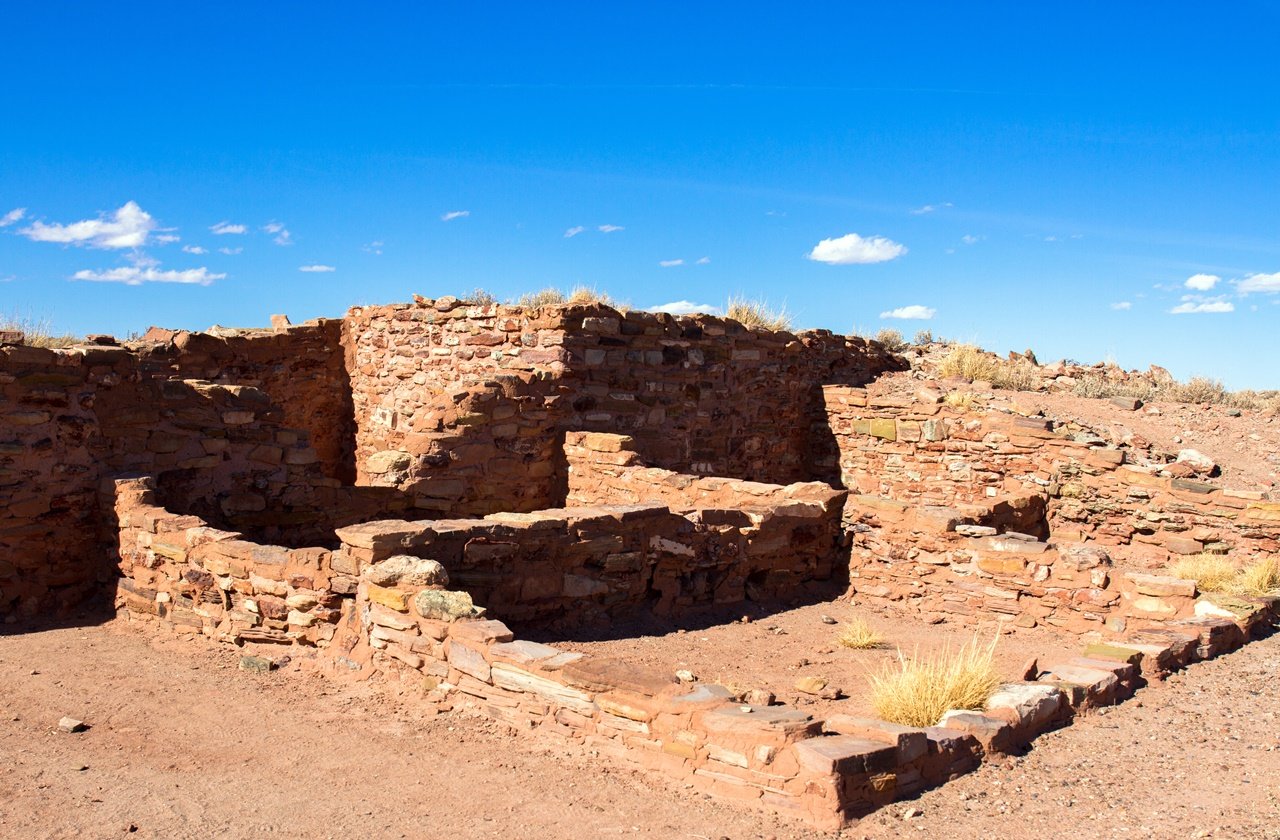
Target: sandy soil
x=183 y=744
x=773 y=651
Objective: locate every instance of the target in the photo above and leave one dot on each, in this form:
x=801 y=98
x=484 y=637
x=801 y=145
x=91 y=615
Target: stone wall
x=918 y=450
x=465 y=407
x=686 y=540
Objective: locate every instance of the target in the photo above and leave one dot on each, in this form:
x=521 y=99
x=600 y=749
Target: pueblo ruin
x=407 y=491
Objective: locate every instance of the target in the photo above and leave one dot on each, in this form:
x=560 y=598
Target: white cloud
x=230 y=252
x=970 y=239
x=1122 y=306
x=1265 y=283
x=852 y=249
x=930 y=208
x=1203 y=307
x=194 y=249
x=915 y=312
x=1202 y=282
x=137 y=275
x=703 y=261
x=573 y=231
x=316 y=269
x=282 y=235
x=610 y=228
x=167 y=238
x=374 y=247
x=685 y=307
x=127 y=227
x=224 y=228
x=670 y=263
x=13 y=216
x=455 y=214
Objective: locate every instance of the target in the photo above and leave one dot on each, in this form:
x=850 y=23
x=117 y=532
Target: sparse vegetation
x=578 y=296
x=480 y=297
x=891 y=339
x=962 y=400
x=859 y=635
x=1198 y=390
x=1259 y=578
x=757 y=313
x=1211 y=572
x=917 y=691
x=924 y=337
x=37 y=332
x=973 y=364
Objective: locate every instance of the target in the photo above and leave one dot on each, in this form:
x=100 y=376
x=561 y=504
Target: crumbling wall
x=918 y=450
x=465 y=406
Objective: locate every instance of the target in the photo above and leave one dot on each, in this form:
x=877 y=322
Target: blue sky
x=1050 y=176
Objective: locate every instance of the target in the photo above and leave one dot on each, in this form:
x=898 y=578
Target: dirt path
x=183 y=744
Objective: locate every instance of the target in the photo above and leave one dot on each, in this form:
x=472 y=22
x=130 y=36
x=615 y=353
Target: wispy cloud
x=374 y=247
x=1122 y=306
x=670 y=263
x=166 y=238
x=915 y=312
x=1193 y=305
x=931 y=208
x=127 y=227
x=610 y=228
x=13 y=216
x=282 y=234
x=1202 y=282
x=1264 y=283
x=455 y=214
x=224 y=228
x=137 y=275
x=852 y=249
x=703 y=261
x=685 y=307
x=316 y=269
x=194 y=249
x=230 y=252
x=573 y=231
x=970 y=239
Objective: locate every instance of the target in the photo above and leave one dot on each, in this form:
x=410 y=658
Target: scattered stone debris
x=70 y=724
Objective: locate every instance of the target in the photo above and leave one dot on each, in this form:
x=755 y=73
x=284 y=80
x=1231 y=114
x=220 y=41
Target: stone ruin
x=385 y=490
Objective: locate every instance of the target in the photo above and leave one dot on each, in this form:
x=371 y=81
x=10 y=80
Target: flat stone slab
x=845 y=755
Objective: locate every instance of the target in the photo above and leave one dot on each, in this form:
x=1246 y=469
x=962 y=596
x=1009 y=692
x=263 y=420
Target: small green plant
x=757 y=313
x=859 y=635
x=919 y=690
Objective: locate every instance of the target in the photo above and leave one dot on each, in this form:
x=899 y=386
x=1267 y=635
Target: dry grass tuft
x=859 y=635
x=1211 y=572
x=480 y=297
x=969 y=363
x=892 y=340
x=924 y=337
x=757 y=313
x=962 y=400
x=1259 y=578
x=37 y=332
x=919 y=690
x=578 y=296
x=543 y=297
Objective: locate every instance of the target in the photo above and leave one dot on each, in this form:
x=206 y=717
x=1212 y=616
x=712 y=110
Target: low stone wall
x=938 y=561
x=194 y=579
x=917 y=449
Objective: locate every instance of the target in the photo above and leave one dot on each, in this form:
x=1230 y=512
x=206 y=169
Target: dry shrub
x=969 y=363
x=891 y=339
x=480 y=297
x=543 y=297
x=919 y=690
x=757 y=313
x=1211 y=572
x=37 y=332
x=1261 y=577
x=924 y=337
x=859 y=635
x=1196 y=390
x=962 y=400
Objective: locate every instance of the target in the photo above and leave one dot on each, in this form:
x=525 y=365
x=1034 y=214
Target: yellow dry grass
x=859 y=635
x=1211 y=572
x=757 y=313
x=917 y=691
x=37 y=332
x=1262 y=577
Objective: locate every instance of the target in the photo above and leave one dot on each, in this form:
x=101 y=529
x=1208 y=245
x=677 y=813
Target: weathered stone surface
x=407 y=571
x=445 y=605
